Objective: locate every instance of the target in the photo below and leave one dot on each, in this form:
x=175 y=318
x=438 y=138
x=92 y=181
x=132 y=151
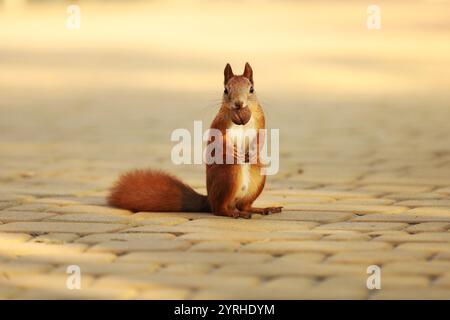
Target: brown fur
x=149 y=190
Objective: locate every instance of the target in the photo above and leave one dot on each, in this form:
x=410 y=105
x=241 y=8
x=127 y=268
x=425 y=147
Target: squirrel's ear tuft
x=248 y=72
x=228 y=73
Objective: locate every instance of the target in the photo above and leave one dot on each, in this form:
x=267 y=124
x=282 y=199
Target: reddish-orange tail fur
x=150 y=190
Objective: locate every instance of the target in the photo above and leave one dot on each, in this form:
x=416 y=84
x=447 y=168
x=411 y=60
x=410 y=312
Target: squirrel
x=231 y=188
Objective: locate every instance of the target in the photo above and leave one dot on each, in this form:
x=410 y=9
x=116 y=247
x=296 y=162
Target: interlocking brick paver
x=428 y=227
x=12 y=216
x=217 y=258
x=215 y=246
x=403 y=217
x=433 y=247
x=250 y=225
x=90 y=217
x=178 y=280
x=95 y=269
x=418 y=237
x=139 y=245
x=13 y=237
x=249 y=236
x=314 y=216
x=363 y=226
x=432 y=211
x=103 y=237
x=431 y=268
x=280 y=247
x=84 y=294
x=55 y=238
x=66 y=227
x=186 y=269
x=368 y=258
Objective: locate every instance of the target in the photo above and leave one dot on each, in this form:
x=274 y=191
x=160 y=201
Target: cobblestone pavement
x=365 y=186
x=364 y=157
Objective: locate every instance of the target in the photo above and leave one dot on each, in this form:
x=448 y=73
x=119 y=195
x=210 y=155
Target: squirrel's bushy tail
x=150 y=190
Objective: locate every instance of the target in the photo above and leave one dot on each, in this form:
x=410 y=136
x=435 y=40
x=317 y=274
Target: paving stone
x=326 y=193
x=418 y=237
x=84 y=294
x=17 y=268
x=245 y=237
x=313 y=216
x=104 y=237
x=91 y=210
x=6 y=238
x=32 y=248
x=395 y=188
x=442 y=256
x=120 y=247
x=431 y=211
x=380 y=258
x=148 y=218
x=69 y=258
x=215 y=246
x=350 y=208
x=285 y=294
x=289 y=283
x=304 y=257
x=4 y=197
x=65 y=227
x=250 y=225
x=426 y=203
x=55 y=238
x=216 y=258
x=281 y=247
x=428 y=227
x=366 y=201
x=431 y=268
x=442 y=282
x=415 y=196
x=387 y=282
x=292 y=268
x=90 y=217
x=175 y=280
x=445 y=190
x=433 y=247
x=186 y=269
x=12 y=216
x=347 y=236
x=8 y=292
x=33 y=207
x=95 y=269
x=43 y=281
x=270 y=201
x=363 y=226
x=404 y=217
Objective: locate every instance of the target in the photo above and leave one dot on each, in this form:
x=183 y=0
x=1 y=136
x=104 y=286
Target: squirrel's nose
x=238 y=104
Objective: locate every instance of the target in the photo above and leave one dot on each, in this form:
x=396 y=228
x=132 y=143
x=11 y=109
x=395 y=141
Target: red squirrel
x=232 y=188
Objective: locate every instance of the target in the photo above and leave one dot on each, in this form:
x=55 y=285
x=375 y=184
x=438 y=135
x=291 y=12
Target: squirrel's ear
x=228 y=73
x=248 y=72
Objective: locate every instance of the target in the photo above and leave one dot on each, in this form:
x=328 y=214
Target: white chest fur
x=239 y=132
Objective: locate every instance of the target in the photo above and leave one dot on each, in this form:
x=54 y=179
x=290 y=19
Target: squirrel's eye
x=225 y=91
x=252 y=90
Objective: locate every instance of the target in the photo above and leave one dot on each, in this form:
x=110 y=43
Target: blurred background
x=136 y=70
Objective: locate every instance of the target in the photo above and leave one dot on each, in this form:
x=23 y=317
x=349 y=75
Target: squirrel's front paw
x=234 y=214
x=272 y=210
